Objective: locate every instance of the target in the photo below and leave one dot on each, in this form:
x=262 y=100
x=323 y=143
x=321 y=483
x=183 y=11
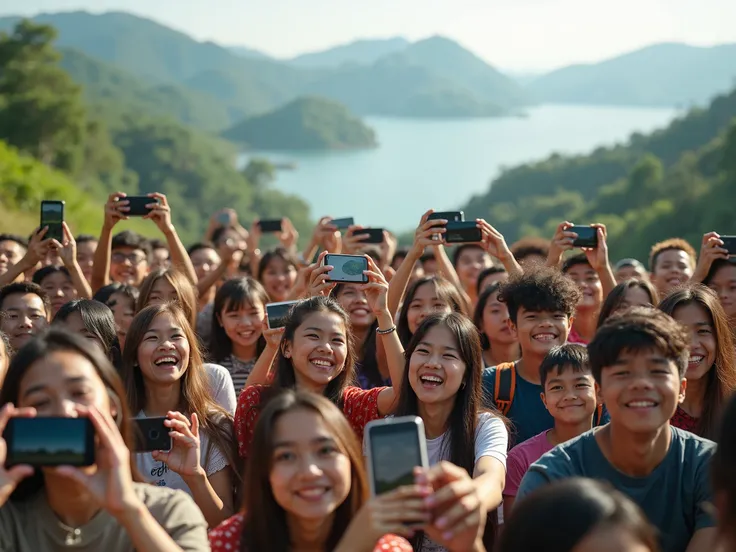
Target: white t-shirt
x=221 y=385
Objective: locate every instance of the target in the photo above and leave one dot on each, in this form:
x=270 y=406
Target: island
x=307 y=123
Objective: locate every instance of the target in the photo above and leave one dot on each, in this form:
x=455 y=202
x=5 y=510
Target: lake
x=440 y=164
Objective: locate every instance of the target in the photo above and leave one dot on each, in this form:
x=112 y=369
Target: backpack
x=505 y=387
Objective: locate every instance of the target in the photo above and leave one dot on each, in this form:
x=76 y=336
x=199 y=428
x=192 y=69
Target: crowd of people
x=569 y=404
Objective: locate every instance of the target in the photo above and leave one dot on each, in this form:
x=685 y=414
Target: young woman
x=317 y=354
x=443 y=385
x=236 y=332
x=101 y=507
x=94 y=321
x=165 y=376
x=578 y=515
x=277 y=271
x=722 y=279
x=711 y=370
x=724 y=478
x=629 y=293
x=121 y=298
x=6 y=352
x=491 y=318
x=306 y=489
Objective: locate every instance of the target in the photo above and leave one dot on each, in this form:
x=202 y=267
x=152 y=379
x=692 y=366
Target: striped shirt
x=239 y=371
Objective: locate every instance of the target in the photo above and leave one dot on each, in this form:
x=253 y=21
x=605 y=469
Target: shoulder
x=251 y=395
x=692 y=448
x=226 y=536
x=354 y=394
x=392 y=543
x=489 y=423
x=169 y=504
x=216 y=370
x=566 y=456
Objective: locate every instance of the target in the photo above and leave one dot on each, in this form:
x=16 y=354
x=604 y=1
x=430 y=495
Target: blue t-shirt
x=672 y=496
x=528 y=414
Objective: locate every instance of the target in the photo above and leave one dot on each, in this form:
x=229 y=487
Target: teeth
x=696 y=359
x=321 y=362
x=163 y=360
x=544 y=337
x=432 y=379
x=641 y=404
x=312 y=493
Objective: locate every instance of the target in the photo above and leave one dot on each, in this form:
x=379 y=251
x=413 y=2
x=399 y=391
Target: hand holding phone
x=347 y=268
x=343 y=223
x=729 y=244
x=52 y=215
x=587 y=236
x=463 y=232
x=370 y=235
x=49 y=441
x=278 y=313
x=151 y=434
x=137 y=205
x=271 y=225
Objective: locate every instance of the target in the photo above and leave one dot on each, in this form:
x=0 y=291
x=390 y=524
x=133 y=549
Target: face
x=162 y=292
x=123 y=311
x=353 y=300
x=318 y=350
x=86 y=257
x=58 y=286
x=470 y=264
x=10 y=253
x=310 y=474
x=436 y=368
x=278 y=279
x=587 y=280
x=630 y=273
x=724 y=284
x=570 y=396
x=611 y=539
x=163 y=354
x=703 y=345
x=635 y=297
x=424 y=303
x=492 y=279
x=539 y=331
x=496 y=321
x=160 y=259
x=673 y=268
x=204 y=260
x=128 y=265
x=429 y=266
x=75 y=324
x=24 y=315
x=641 y=390
x=243 y=325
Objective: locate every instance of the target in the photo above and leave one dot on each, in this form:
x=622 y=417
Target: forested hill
x=679 y=181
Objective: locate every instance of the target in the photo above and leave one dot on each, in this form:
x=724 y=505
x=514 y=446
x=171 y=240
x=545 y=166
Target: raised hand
x=272 y=336
x=11 y=477
x=160 y=212
x=376 y=290
x=116 y=208
x=184 y=456
x=316 y=277
x=711 y=249
x=562 y=241
x=38 y=247
x=598 y=256
x=428 y=233
x=327 y=236
x=288 y=236
x=68 y=248
x=352 y=241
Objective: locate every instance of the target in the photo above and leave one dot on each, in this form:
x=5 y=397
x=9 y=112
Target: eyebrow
x=317 y=441
x=42 y=386
x=173 y=329
x=428 y=344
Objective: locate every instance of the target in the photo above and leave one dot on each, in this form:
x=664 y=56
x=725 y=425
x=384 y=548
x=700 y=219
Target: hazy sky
x=513 y=34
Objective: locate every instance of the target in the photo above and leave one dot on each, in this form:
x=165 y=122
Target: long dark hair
x=618 y=295
x=721 y=378
x=58 y=340
x=232 y=296
x=483 y=299
x=445 y=291
x=99 y=321
x=186 y=293
x=264 y=521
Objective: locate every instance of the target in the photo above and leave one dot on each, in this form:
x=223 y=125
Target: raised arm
x=68 y=254
x=115 y=209
x=160 y=214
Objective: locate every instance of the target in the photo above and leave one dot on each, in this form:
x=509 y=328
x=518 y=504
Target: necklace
x=73 y=534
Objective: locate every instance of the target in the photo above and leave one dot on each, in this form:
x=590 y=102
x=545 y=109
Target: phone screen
x=395 y=452
x=343 y=223
x=347 y=268
x=50 y=441
x=273 y=225
x=278 y=313
x=52 y=215
x=587 y=236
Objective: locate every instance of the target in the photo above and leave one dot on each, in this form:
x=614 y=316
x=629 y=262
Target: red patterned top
x=360 y=406
x=683 y=420
x=226 y=538
x=575 y=337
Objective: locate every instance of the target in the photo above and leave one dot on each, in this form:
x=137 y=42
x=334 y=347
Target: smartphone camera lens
x=154 y=434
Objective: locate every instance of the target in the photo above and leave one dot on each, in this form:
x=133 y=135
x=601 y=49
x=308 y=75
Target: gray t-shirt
x=673 y=496
x=31 y=525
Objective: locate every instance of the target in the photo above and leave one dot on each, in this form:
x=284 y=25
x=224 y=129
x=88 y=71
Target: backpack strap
x=505 y=386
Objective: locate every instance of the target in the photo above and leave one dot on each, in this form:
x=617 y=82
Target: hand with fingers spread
x=327 y=235
x=184 y=456
x=376 y=290
x=711 y=249
x=38 y=248
x=115 y=209
x=561 y=242
x=160 y=212
x=11 y=477
x=495 y=244
x=316 y=276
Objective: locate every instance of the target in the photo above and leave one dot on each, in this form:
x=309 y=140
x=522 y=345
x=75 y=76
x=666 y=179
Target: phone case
x=343 y=223
x=729 y=243
x=463 y=232
x=151 y=434
x=137 y=205
x=277 y=313
x=589 y=239
x=50 y=441
x=272 y=225
x=450 y=216
x=372 y=235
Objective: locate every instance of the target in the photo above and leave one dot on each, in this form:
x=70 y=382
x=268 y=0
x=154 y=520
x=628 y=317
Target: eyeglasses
x=122 y=257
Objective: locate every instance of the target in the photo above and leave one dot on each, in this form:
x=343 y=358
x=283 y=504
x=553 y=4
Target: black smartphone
x=151 y=434
x=463 y=232
x=347 y=268
x=270 y=225
x=278 y=313
x=137 y=205
x=47 y=441
x=343 y=223
x=370 y=235
x=587 y=236
x=729 y=243
x=450 y=216
x=52 y=215
x=395 y=446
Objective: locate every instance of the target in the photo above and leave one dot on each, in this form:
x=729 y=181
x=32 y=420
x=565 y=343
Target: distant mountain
x=244 y=51
x=663 y=74
x=363 y=52
x=306 y=123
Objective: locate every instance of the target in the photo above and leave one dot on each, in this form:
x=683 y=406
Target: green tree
x=260 y=172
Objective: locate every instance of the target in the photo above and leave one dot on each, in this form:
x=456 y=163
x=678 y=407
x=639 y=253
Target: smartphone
x=450 y=216
x=729 y=243
x=395 y=446
x=47 y=441
x=278 y=313
x=52 y=215
x=587 y=236
x=270 y=225
x=343 y=223
x=151 y=434
x=223 y=219
x=372 y=235
x=463 y=232
x=348 y=268
x=137 y=205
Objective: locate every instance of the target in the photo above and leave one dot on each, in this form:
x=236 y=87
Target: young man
x=671 y=263
x=639 y=359
x=24 y=312
x=12 y=249
x=541 y=304
x=570 y=396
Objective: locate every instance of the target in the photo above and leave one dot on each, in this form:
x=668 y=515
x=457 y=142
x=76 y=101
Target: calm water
x=441 y=164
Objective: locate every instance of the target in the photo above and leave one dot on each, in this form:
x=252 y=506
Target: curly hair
x=540 y=289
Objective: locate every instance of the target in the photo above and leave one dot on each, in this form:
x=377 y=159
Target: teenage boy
x=639 y=359
x=671 y=263
x=12 y=249
x=541 y=304
x=570 y=396
x=24 y=312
